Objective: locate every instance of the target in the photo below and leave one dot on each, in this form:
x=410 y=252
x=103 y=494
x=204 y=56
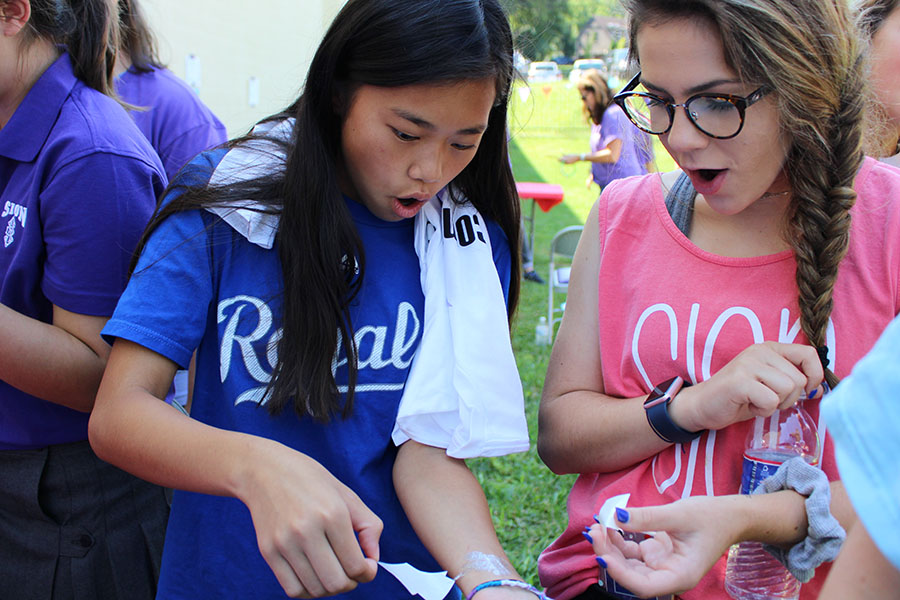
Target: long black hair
x=386 y=43
x=87 y=29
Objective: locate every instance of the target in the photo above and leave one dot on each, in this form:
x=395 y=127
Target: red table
x=545 y=195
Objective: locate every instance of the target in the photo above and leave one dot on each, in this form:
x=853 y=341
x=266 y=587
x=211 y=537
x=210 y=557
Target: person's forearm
x=841 y=508
x=449 y=512
x=601 y=156
x=48 y=362
x=588 y=432
x=145 y=436
x=860 y=567
x=757 y=514
x=692 y=533
x=581 y=429
x=791 y=525
x=609 y=154
x=132 y=428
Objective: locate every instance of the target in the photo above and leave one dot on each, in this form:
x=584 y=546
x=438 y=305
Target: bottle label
x=758 y=468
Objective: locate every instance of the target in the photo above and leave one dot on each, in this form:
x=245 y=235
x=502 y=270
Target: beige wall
x=232 y=42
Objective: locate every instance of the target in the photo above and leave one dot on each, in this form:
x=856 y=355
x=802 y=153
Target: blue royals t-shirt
x=78 y=183
x=199 y=284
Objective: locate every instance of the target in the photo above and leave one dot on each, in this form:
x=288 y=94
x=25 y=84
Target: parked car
x=543 y=71
x=583 y=64
x=521 y=63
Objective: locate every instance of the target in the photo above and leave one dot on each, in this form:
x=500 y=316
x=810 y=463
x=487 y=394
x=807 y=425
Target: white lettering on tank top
x=787 y=333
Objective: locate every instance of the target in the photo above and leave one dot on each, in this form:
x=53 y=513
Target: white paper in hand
x=607 y=517
x=607 y=514
x=430 y=586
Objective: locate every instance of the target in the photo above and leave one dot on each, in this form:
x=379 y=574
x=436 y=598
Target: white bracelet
x=583 y=156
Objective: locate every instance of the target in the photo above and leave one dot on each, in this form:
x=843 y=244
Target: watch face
x=663 y=392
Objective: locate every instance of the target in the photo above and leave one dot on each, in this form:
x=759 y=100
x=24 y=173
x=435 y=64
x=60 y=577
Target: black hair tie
x=823 y=356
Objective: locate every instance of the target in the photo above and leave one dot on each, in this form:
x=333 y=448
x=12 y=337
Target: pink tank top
x=668 y=308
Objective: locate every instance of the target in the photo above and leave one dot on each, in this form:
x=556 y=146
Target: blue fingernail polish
x=622 y=515
x=813 y=394
x=588 y=537
x=597 y=518
x=600 y=561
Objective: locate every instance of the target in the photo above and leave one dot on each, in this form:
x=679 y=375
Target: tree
x=546 y=28
x=539 y=26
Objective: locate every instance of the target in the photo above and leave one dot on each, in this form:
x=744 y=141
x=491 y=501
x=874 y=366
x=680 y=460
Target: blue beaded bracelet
x=507 y=583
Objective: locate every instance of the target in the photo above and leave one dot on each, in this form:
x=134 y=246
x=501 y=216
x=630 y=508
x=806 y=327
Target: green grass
x=527 y=500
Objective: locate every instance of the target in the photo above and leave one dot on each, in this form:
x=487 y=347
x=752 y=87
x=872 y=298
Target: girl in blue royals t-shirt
x=78 y=184
x=337 y=272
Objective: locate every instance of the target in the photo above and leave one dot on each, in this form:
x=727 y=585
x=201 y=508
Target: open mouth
x=709 y=174
x=406 y=208
x=707 y=181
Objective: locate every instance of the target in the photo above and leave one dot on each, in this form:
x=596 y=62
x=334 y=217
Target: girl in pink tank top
x=781 y=276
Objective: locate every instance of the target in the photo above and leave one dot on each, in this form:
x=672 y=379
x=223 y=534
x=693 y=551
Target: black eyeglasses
x=719 y=116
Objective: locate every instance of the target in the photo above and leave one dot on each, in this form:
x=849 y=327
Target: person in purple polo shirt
x=169 y=113
x=78 y=183
x=618 y=148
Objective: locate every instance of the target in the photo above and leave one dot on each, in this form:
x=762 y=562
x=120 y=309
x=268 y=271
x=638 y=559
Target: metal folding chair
x=562 y=248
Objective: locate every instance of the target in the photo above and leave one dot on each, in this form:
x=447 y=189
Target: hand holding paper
x=658 y=550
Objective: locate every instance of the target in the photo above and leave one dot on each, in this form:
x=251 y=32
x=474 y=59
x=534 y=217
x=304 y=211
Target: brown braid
x=821 y=175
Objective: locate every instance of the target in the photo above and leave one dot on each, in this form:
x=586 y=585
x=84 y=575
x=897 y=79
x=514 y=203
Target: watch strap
x=657 y=409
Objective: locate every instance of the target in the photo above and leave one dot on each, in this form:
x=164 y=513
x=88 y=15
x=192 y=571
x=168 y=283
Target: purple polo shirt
x=615 y=125
x=78 y=183
x=178 y=125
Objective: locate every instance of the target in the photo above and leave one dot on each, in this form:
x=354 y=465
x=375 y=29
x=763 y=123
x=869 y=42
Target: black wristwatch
x=657 y=408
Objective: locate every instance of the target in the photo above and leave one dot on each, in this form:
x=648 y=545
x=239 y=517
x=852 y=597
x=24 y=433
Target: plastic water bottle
x=752 y=573
x=542 y=332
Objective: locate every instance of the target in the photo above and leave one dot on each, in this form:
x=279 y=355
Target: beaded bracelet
x=507 y=583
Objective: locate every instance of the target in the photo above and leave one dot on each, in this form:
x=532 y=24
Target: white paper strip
x=430 y=586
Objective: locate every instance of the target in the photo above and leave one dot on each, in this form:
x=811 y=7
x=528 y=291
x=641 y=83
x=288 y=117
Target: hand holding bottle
x=751 y=571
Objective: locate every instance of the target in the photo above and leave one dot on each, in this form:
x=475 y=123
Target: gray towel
x=824 y=535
